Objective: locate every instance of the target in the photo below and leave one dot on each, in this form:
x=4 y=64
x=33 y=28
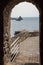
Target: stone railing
x=14 y=49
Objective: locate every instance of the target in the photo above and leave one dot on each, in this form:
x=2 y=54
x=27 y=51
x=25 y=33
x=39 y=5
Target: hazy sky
x=25 y=9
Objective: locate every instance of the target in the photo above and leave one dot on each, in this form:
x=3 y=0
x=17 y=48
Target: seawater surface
x=28 y=23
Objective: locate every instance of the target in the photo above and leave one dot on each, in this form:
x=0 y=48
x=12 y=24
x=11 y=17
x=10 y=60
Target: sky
x=25 y=9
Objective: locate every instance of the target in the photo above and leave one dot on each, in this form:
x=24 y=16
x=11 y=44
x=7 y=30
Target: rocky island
x=17 y=19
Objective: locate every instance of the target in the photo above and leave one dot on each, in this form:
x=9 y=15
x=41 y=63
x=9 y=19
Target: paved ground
x=31 y=64
x=29 y=51
x=30 y=46
x=24 y=64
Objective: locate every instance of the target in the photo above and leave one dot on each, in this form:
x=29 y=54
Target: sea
x=28 y=23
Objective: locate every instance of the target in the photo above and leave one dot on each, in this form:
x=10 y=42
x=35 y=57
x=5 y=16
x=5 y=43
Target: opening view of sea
x=28 y=23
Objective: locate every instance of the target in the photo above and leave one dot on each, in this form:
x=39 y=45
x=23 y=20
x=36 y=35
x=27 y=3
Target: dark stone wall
x=41 y=38
x=3 y=4
x=1 y=37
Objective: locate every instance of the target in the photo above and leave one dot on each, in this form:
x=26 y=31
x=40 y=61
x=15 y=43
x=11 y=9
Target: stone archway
x=6 y=17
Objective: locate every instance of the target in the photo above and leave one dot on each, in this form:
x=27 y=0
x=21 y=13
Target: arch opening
x=24 y=9
x=31 y=15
